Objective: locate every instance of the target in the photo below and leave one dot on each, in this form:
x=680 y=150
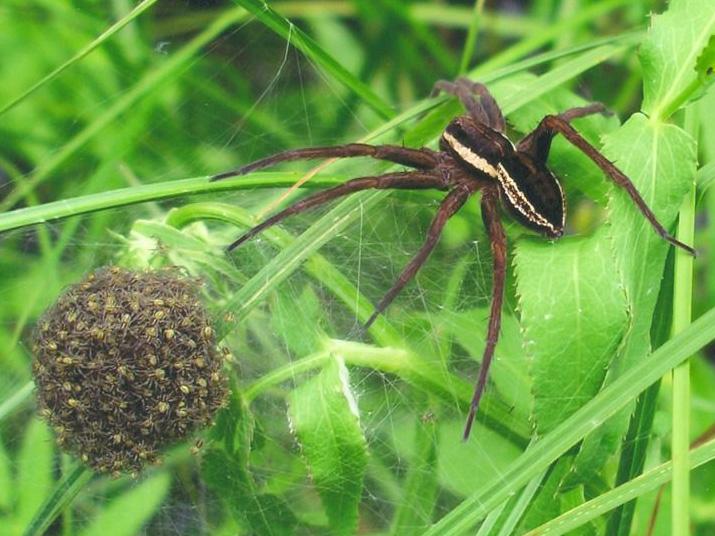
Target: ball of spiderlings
x=125 y=364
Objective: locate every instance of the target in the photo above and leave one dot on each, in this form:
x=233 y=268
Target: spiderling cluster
x=126 y=364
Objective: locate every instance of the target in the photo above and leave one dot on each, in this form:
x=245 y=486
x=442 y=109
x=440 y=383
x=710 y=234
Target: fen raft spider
x=475 y=156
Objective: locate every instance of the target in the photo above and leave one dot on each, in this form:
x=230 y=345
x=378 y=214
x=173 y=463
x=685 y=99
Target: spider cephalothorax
x=475 y=155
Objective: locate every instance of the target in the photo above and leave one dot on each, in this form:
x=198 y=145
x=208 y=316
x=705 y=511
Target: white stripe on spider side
x=519 y=201
x=469 y=156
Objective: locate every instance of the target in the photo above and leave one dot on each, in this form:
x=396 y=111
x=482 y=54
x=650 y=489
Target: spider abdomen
x=532 y=194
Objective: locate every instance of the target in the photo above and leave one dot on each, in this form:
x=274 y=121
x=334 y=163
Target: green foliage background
x=114 y=114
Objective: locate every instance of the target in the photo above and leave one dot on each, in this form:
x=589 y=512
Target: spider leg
x=583 y=111
x=417 y=158
x=451 y=204
x=485 y=111
x=497 y=237
x=402 y=180
x=538 y=143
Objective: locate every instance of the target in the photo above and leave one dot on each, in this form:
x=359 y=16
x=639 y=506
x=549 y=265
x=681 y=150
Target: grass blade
x=65 y=492
x=648 y=481
x=101 y=38
x=598 y=410
x=295 y=36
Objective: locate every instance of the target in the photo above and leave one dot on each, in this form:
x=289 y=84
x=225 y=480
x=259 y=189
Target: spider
x=475 y=156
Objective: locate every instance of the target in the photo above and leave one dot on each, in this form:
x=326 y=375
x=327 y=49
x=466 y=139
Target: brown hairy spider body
x=475 y=155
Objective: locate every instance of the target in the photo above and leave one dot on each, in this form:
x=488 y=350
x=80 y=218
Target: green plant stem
x=471 y=40
x=682 y=312
x=132 y=195
x=405 y=364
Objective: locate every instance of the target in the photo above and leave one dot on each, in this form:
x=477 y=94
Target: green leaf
x=669 y=53
x=464 y=466
x=324 y=417
x=546 y=505
x=34 y=476
x=660 y=160
x=573 y=316
x=104 y=36
x=126 y=514
x=65 y=491
x=509 y=375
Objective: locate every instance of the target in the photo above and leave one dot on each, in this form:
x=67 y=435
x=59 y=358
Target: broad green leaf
x=465 y=466
x=34 y=474
x=660 y=160
x=126 y=514
x=324 y=418
x=669 y=53
x=573 y=317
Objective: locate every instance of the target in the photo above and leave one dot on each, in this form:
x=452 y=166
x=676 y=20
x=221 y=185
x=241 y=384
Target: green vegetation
x=112 y=117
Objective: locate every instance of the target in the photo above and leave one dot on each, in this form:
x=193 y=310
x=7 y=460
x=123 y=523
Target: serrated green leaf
x=573 y=316
x=660 y=160
x=674 y=42
x=34 y=475
x=126 y=514
x=323 y=413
